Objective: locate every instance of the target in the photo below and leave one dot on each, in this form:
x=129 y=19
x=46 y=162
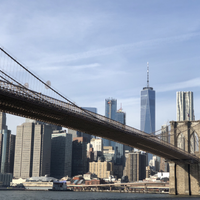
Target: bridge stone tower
x=185 y=175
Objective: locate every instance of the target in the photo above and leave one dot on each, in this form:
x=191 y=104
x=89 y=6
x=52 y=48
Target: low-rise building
x=89 y=176
x=95 y=181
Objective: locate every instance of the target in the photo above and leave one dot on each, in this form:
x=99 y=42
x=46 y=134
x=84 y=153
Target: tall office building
x=61 y=154
x=147 y=112
x=110 y=112
x=5 y=150
x=7 y=145
x=184 y=106
x=79 y=156
x=32 y=150
x=11 y=153
x=135 y=166
x=3 y=121
x=120 y=148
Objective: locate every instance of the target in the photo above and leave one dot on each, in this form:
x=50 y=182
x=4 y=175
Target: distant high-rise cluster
x=111 y=112
x=184 y=106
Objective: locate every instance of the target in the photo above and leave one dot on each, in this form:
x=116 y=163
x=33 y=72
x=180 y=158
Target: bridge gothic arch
x=181 y=141
x=194 y=142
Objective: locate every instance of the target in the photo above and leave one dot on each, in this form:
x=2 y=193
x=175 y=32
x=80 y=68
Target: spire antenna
x=147 y=74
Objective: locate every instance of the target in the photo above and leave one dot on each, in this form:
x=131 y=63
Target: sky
x=92 y=50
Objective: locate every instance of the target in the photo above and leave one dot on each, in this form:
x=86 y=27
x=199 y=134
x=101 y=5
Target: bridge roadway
x=20 y=101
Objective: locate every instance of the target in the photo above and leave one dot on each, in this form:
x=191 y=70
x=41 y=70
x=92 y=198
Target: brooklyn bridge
x=19 y=96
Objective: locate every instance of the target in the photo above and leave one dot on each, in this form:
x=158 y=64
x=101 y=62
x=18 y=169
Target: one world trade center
x=147 y=112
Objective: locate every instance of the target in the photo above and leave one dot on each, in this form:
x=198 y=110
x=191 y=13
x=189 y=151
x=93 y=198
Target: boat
x=59 y=186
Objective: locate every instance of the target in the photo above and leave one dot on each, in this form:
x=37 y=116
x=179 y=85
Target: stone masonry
x=185 y=178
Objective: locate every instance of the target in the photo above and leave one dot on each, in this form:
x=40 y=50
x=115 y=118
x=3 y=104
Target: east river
x=52 y=195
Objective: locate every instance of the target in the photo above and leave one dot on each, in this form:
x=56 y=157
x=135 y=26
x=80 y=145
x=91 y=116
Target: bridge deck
x=26 y=103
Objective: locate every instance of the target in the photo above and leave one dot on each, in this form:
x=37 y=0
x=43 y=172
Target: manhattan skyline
x=92 y=50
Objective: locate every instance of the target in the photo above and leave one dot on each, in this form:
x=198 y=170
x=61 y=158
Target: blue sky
x=91 y=50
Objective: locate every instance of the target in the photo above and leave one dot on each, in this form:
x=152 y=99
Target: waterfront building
x=32 y=149
x=79 y=156
x=147 y=111
x=5 y=179
x=184 y=106
x=61 y=154
x=135 y=167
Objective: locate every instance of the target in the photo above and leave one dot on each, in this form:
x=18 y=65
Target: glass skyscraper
x=111 y=112
x=147 y=112
x=147 y=123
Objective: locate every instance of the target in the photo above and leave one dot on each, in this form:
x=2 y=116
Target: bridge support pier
x=184 y=179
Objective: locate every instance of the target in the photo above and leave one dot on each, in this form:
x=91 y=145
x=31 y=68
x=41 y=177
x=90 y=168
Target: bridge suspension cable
x=37 y=78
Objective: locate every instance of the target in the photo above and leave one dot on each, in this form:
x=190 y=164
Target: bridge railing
x=22 y=91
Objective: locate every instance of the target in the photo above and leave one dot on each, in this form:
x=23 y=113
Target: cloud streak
x=181 y=85
x=120 y=48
